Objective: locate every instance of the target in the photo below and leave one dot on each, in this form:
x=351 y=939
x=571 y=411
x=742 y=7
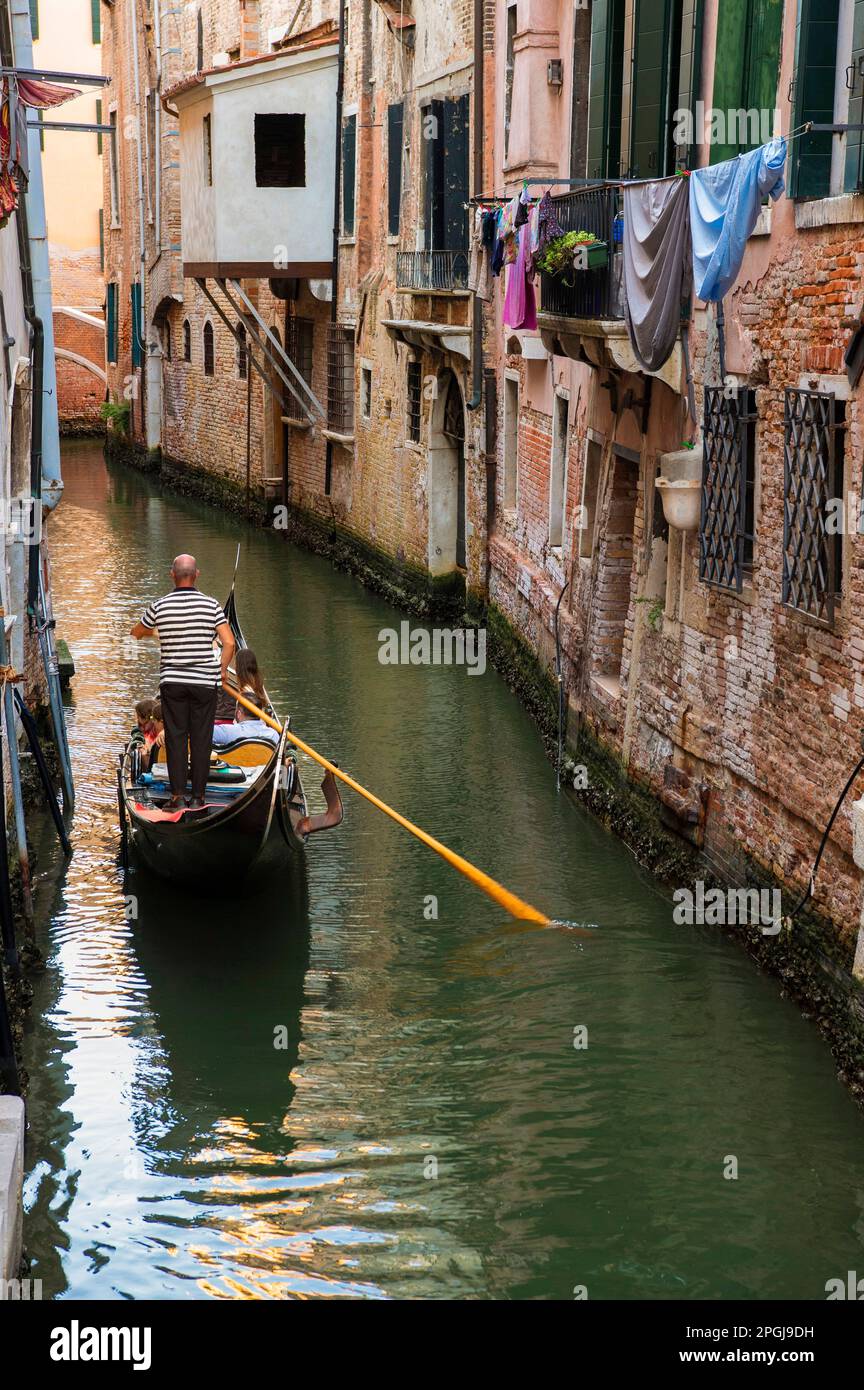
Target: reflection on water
x=319 y=1092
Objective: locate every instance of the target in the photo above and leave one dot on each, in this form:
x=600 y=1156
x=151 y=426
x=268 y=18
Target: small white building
x=258 y=163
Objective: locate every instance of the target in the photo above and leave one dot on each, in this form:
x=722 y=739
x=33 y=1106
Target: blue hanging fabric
x=724 y=206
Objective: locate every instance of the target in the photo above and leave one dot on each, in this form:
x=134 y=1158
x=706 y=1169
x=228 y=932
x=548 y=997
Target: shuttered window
x=96 y=20
x=746 y=72
x=853 y=174
x=349 y=173
x=34 y=18
x=111 y=322
x=649 y=123
x=604 y=89
x=813 y=96
x=394 y=166
x=689 y=77
x=137 y=341
x=445 y=143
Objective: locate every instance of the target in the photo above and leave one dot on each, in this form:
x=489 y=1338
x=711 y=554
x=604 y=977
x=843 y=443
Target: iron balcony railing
x=588 y=294
x=432 y=270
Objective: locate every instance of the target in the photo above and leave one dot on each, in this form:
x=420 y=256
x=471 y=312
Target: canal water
x=334 y=1092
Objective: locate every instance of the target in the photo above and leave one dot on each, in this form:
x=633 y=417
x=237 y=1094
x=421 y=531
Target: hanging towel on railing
x=656 y=266
x=724 y=205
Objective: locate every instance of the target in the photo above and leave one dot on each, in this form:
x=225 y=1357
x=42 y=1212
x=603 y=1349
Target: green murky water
x=426 y=1127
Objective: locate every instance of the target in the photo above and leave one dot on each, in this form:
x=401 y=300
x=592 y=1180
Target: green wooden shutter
x=394 y=166
x=96 y=20
x=34 y=18
x=854 y=170
x=746 y=71
x=98 y=122
x=349 y=173
x=763 y=65
x=137 y=344
x=457 y=129
x=111 y=322
x=813 y=96
x=648 y=125
x=690 y=74
x=604 y=89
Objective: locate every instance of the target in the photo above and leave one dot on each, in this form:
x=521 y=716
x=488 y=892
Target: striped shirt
x=186 y=621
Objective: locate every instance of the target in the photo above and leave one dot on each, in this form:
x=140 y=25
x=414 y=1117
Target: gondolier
x=187 y=623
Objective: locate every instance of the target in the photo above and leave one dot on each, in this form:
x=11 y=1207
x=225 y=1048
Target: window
x=111 y=322
x=727 y=526
x=187 y=341
x=242 y=353
x=745 y=91
x=208 y=349
x=511 y=439
x=813 y=502
x=828 y=87
x=280 y=151
x=445 y=147
x=207 y=138
x=509 y=64
x=340 y=379
x=558 y=471
x=366 y=392
x=414 y=411
x=299 y=341
x=95 y=21
x=34 y=18
x=137 y=326
x=114 y=171
x=604 y=88
x=395 y=116
x=588 y=505
x=349 y=173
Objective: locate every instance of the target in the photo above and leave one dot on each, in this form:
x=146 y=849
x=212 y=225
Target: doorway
x=446 y=479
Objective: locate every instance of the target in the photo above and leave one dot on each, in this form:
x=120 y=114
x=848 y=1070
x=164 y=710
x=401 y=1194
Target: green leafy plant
x=654 y=613
x=117 y=415
x=557 y=257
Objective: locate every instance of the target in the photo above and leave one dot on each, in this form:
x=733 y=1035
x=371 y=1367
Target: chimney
x=250 y=29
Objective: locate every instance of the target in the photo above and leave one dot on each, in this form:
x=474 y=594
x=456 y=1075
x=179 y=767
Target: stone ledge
x=830 y=212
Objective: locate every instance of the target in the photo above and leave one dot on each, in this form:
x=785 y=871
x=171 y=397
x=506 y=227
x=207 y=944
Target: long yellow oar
x=515 y=906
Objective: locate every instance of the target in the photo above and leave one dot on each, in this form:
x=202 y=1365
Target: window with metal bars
x=727 y=523
x=415 y=401
x=242 y=355
x=340 y=379
x=187 y=341
x=813 y=502
x=209 y=357
x=299 y=340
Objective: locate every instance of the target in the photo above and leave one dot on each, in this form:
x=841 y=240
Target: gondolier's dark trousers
x=188 y=711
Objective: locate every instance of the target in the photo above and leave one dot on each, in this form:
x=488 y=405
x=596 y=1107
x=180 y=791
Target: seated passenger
x=150 y=730
x=247 y=678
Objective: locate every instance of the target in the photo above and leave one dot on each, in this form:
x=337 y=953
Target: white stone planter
x=681 y=502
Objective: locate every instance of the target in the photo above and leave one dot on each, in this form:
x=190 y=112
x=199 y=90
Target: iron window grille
x=727 y=520
x=299 y=343
x=415 y=401
x=340 y=379
x=813 y=458
x=209 y=355
x=242 y=356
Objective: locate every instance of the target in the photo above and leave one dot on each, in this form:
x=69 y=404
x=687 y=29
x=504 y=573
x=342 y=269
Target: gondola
x=248 y=827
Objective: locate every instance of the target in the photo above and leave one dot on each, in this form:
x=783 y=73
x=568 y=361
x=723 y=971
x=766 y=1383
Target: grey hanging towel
x=657 y=266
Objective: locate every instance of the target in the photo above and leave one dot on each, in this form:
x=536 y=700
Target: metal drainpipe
x=477 y=306
x=157 y=126
x=142 y=249
x=337 y=212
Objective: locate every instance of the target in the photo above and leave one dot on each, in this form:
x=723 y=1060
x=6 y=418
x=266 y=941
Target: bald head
x=184 y=571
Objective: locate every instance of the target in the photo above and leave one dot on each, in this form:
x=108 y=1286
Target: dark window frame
x=814 y=458
x=727 y=530
x=414 y=400
x=209 y=346
x=280 y=149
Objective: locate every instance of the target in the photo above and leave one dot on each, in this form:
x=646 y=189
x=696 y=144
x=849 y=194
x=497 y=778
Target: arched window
x=208 y=349
x=242 y=356
x=187 y=341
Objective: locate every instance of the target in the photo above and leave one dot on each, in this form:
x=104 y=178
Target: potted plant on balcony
x=573 y=251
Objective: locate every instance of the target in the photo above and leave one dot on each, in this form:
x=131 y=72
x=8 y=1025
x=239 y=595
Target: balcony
x=432 y=272
x=593 y=294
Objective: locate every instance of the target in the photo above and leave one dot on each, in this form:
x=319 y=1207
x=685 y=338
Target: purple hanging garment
x=520 y=309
